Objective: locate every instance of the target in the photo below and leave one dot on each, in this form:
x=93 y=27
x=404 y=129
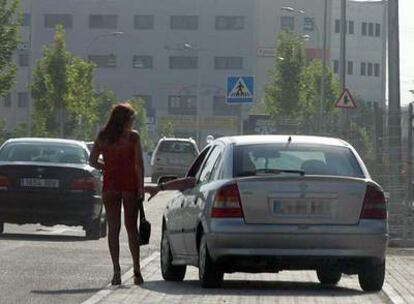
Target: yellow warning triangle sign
x=345 y=101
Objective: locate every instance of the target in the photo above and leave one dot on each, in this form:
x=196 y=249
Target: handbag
x=144 y=226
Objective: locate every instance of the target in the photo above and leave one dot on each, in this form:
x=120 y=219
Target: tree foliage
x=167 y=129
x=104 y=103
x=141 y=123
x=9 y=38
x=282 y=93
x=63 y=92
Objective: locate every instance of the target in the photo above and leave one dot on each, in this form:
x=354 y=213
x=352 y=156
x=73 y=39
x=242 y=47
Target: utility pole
x=342 y=63
x=322 y=103
x=409 y=171
x=394 y=103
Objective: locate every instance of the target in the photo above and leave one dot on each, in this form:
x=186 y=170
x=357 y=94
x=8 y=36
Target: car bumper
x=49 y=208
x=227 y=238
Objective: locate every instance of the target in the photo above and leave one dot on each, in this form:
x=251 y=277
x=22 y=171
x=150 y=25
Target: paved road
x=57 y=265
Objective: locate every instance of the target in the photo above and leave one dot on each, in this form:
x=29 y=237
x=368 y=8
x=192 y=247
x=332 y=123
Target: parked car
x=49 y=181
x=271 y=203
x=172 y=156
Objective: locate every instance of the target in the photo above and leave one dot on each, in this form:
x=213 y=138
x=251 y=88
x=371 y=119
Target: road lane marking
x=108 y=289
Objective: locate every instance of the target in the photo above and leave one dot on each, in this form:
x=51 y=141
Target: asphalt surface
x=57 y=264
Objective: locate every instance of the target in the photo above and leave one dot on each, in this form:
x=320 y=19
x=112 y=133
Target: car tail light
x=374 y=206
x=83 y=184
x=4 y=183
x=227 y=202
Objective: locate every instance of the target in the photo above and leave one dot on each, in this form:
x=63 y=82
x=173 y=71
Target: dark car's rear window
x=177 y=147
x=44 y=152
x=312 y=159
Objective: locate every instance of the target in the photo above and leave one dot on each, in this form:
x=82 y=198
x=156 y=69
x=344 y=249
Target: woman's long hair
x=121 y=114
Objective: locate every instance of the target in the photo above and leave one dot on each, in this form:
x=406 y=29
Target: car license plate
x=39 y=182
x=310 y=207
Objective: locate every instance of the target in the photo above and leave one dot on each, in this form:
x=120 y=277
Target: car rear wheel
x=1 y=227
x=371 y=276
x=93 y=230
x=328 y=277
x=209 y=275
x=169 y=271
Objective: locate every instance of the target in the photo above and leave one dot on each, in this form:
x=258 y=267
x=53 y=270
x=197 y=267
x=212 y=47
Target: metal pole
x=409 y=171
x=342 y=54
x=198 y=103
x=323 y=76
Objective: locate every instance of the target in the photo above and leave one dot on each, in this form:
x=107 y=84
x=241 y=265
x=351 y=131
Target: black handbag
x=144 y=225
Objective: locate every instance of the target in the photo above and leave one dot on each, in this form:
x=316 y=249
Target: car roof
x=177 y=139
x=294 y=139
x=45 y=140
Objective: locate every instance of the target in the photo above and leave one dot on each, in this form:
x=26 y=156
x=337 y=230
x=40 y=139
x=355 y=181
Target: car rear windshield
x=257 y=159
x=177 y=147
x=44 y=152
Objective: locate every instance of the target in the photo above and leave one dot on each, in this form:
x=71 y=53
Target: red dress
x=120 y=167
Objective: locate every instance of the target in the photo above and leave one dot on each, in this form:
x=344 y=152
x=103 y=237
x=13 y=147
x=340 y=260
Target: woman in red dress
x=123 y=182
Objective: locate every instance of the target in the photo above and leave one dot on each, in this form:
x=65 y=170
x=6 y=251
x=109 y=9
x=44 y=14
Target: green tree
x=81 y=99
x=63 y=92
x=141 y=123
x=9 y=38
x=104 y=103
x=167 y=129
x=282 y=93
x=310 y=96
x=3 y=132
x=20 y=130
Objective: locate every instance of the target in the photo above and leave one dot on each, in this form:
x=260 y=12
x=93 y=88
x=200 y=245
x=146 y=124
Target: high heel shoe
x=138 y=279
x=116 y=279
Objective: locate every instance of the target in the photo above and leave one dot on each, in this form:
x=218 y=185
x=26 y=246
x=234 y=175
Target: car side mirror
x=166 y=178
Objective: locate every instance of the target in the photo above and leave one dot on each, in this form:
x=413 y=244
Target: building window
x=51 y=20
x=308 y=24
x=377 y=30
x=369 y=69
x=183 y=62
x=350 y=68
x=336 y=66
x=144 y=22
x=363 y=68
x=7 y=100
x=184 y=22
x=287 y=23
x=371 y=29
x=337 y=26
x=351 y=29
x=182 y=105
x=142 y=62
x=228 y=63
x=24 y=60
x=364 y=29
x=377 y=70
x=229 y=22
x=103 y=21
x=103 y=61
x=22 y=99
x=221 y=108
x=26 y=19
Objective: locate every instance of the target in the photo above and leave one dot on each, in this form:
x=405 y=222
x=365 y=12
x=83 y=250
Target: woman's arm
x=179 y=184
x=140 y=164
x=94 y=156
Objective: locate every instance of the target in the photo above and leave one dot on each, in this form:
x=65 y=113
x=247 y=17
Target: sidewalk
x=284 y=287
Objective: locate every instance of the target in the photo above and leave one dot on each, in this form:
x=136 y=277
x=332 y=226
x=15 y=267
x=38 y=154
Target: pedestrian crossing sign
x=240 y=89
x=345 y=101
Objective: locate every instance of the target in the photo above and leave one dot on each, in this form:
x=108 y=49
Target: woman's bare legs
x=112 y=202
x=131 y=209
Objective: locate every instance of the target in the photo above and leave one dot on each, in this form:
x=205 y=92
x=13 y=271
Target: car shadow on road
x=251 y=288
x=41 y=237
x=65 y=291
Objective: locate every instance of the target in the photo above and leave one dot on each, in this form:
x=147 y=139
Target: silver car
x=271 y=203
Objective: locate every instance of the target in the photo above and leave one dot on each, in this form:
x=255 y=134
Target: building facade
x=176 y=55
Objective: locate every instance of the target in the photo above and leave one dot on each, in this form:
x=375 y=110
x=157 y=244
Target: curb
x=108 y=289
